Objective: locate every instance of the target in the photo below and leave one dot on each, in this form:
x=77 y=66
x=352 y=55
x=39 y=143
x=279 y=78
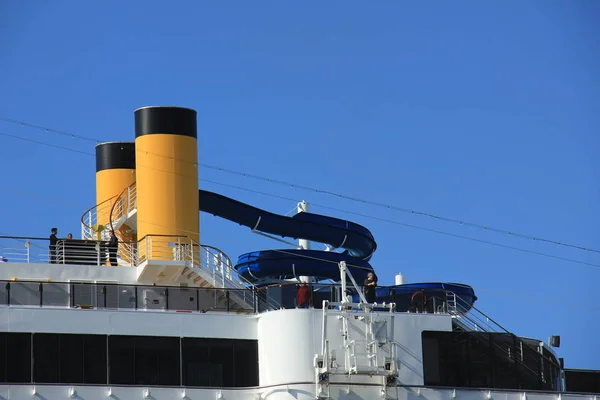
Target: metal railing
x=125 y=297
x=470 y=318
x=96 y=219
x=94 y=252
x=125 y=203
x=67 y=251
x=206 y=262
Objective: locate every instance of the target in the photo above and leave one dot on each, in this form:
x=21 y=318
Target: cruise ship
x=139 y=307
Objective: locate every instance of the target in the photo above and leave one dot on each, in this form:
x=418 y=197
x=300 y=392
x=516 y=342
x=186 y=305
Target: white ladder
x=362 y=353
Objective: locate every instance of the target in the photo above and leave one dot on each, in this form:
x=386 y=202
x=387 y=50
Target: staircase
x=167 y=258
x=469 y=318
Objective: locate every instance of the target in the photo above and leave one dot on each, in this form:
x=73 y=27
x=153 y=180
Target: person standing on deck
x=52 y=247
x=370 y=285
x=113 y=247
x=303 y=296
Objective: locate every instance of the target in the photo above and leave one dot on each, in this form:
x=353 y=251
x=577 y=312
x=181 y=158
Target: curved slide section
x=288 y=264
x=402 y=294
x=357 y=240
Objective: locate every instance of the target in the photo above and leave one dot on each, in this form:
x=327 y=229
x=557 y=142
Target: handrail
x=127 y=189
x=83 y=222
x=206 y=246
x=473 y=318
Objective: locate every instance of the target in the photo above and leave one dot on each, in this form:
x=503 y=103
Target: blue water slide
x=402 y=294
x=358 y=242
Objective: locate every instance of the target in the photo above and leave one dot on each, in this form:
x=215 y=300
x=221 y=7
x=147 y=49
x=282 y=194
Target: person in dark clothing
x=113 y=247
x=52 y=247
x=370 y=285
x=303 y=296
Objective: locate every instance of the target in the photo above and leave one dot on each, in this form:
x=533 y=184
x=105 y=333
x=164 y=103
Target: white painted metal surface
x=128 y=322
x=66 y=273
x=295 y=391
x=289 y=340
x=399 y=279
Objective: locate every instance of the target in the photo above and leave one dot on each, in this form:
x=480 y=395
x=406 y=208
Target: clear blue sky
x=482 y=111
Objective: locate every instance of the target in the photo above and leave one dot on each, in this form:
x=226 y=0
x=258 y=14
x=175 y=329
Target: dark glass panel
x=121 y=356
x=18 y=357
x=46 y=352
x=94 y=359
x=245 y=363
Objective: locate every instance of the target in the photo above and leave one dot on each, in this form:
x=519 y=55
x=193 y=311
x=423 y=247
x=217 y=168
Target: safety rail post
x=41 y=290
x=128 y=199
x=27 y=246
x=221 y=268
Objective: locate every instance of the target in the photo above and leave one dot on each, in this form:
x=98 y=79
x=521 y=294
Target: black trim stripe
x=169 y=120
x=115 y=155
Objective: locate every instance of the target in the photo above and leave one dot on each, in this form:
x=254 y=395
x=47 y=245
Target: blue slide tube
x=358 y=241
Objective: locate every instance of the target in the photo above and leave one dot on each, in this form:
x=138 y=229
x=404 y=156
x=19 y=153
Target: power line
x=50 y=130
x=45 y=144
x=360 y=214
x=315 y=190
x=418 y=227
x=395 y=208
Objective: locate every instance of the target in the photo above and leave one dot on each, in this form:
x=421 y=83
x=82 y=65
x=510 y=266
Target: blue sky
x=481 y=111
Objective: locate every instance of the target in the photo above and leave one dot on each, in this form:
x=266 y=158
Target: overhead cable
x=312 y=189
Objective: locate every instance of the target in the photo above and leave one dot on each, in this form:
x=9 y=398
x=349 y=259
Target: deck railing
x=83 y=295
x=207 y=262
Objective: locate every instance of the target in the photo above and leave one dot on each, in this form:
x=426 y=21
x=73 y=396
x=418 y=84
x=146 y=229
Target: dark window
x=246 y=363
x=46 y=353
x=196 y=362
x=489 y=360
x=582 y=381
x=144 y=360
x=220 y=362
x=132 y=360
x=121 y=355
x=69 y=358
x=15 y=357
x=94 y=359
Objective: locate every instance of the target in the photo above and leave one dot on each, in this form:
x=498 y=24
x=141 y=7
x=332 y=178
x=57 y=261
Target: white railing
x=125 y=204
x=109 y=213
x=471 y=317
x=204 y=261
x=95 y=220
x=95 y=253
x=82 y=252
x=23 y=250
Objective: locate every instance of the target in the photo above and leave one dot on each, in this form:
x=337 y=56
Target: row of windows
x=486 y=360
x=127 y=360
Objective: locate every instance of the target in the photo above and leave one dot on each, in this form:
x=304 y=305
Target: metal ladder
x=356 y=352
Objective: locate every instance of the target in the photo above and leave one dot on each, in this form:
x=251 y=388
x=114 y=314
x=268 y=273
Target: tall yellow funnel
x=115 y=171
x=167 y=177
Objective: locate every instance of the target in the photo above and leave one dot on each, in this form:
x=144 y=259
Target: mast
x=303 y=243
